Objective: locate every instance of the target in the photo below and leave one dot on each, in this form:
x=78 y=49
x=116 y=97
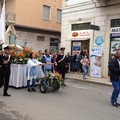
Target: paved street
x=77 y=101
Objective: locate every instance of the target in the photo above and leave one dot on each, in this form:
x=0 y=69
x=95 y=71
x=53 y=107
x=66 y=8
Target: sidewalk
x=79 y=77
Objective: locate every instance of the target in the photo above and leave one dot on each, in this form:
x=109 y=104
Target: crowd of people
x=58 y=62
x=54 y=63
x=79 y=62
x=48 y=63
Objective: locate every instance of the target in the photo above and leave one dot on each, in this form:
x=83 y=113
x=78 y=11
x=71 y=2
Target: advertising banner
x=114 y=44
x=96 y=61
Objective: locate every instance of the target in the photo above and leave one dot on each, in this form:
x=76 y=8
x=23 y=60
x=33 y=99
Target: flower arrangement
x=19 y=55
x=55 y=77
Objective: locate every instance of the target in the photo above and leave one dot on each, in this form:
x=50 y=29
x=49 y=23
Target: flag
x=2 y=24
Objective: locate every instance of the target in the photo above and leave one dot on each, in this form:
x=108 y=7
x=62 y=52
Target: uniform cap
x=62 y=48
x=6 y=48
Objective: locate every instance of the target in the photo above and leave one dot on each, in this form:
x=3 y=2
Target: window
x=40 y=38
x=46 y=12
x=115 y=23
x=59 y=15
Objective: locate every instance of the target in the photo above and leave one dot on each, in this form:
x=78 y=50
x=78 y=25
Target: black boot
x=29 y=90
x=6 y=94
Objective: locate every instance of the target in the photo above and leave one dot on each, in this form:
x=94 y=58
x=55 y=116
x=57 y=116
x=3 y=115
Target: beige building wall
x=29 y=13
x=32 y=42
x=11 y=6
x=30 y=23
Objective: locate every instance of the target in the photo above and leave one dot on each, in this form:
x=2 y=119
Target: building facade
x=37 y=22
x=92 y=25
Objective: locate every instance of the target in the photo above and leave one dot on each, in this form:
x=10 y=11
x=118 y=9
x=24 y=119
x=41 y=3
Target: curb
x=94 y=82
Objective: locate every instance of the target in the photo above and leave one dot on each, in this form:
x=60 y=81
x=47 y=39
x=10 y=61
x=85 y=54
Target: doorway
x=81 y=45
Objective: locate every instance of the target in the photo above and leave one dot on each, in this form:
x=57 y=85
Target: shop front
x=114 y=36
x=80 y=37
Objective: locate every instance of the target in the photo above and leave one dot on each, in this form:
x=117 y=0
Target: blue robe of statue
x=12 y=40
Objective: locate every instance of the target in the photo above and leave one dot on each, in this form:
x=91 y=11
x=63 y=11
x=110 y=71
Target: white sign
x=96 y=61
x=115 y=30
x=81 y=34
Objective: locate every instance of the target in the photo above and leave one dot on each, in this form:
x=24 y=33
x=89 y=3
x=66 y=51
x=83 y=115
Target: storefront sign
x=96 y=61
x=80 y=34
x=115 y=32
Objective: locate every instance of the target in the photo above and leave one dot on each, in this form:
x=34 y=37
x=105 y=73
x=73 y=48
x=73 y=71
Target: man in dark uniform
x=62 y=63
x=1 y=69
x=5 y=62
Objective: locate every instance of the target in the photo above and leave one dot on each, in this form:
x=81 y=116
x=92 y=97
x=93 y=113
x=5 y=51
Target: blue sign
x=99 y=40
x=115 y=32
x=76 y=48
x=115 y=35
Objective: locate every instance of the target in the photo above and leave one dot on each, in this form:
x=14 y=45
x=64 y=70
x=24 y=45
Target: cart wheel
x=56 y=85
x=42 y=88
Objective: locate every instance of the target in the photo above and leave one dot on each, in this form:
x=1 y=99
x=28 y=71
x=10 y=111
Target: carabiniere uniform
x=1 y=71
x=61 y=64
x=5 y=71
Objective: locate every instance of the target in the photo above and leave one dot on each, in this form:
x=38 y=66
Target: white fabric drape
x=2 y=24
x=18 y=75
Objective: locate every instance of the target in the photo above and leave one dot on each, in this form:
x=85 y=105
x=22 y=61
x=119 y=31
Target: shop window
x=53 y=45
